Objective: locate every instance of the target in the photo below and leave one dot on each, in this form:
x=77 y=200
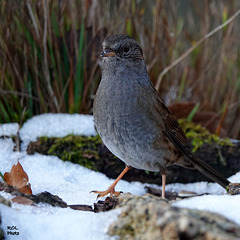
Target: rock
x=101 y=206
x=106 y=205
x=81 y=207
x=10 y=189
x=44 y=197
x=233 y=188
x=172 y=195
x=149 y=217
x=5 y=201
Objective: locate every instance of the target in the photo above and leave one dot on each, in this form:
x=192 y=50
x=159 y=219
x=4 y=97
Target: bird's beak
x=107 y=53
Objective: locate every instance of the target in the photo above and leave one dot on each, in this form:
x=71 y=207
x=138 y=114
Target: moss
x=200 y=135
x=76 y=149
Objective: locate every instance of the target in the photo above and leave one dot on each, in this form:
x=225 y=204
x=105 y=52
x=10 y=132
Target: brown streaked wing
x=172 y=128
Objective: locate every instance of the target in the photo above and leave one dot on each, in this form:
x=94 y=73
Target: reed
x=49 y=53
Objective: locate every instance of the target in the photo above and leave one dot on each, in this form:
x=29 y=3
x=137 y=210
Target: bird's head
x=122 y=48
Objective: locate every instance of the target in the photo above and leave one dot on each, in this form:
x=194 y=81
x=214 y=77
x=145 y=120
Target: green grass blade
x=182 y=85
x=30 y=101
x=1 y=175
x=4 y=113
x=129 y=27
x=55 y=26
x=79 y=78
x=193 y=112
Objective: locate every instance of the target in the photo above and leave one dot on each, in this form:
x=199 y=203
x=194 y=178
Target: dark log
x=224 y=159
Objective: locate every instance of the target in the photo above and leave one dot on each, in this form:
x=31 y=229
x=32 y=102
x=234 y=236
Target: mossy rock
x=199 y=135
x=76 y=149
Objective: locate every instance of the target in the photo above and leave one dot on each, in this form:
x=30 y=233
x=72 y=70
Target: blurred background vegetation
x=49 y=53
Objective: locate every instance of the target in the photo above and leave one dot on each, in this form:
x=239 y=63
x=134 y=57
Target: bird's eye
x=126 y=49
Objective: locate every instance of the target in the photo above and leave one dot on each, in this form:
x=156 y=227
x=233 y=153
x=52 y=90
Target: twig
x=22 y=94
x=178 y=60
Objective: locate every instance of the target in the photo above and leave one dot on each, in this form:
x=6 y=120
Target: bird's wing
x=173 y=130
x=159 y=113
x=171 y=127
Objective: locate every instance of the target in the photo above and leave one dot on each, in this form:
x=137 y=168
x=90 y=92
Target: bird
x=132 y=119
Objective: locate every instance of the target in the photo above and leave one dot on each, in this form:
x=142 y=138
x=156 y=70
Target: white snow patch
x=57 y=125
x=225 y=205
x=47 y=222
x=8 y=129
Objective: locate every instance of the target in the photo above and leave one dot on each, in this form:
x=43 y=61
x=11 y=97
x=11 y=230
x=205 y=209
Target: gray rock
x=149 y=217
x=5 y=201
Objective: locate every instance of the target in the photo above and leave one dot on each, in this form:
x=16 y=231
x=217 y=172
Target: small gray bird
x=132 y=119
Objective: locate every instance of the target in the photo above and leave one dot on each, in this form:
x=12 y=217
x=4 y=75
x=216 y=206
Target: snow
x=8 y=129
x=56 y=125
x=73 y=184
x=226 y=205
x=46 y=222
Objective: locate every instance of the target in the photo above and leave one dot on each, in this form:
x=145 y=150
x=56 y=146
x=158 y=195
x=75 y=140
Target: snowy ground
x=73 y=184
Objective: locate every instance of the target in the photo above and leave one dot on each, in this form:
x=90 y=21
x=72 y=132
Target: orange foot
x=110 y=190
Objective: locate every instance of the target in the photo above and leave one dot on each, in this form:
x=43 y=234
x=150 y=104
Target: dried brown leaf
x=22 y=200
x=18 y=178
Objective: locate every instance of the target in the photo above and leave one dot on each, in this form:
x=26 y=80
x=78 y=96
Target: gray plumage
x=131 y=118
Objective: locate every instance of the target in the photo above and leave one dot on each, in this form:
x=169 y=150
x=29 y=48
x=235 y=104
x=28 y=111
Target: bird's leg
x=163 y=184
x=111 y=188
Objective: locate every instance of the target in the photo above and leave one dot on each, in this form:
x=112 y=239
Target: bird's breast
x=124 y=126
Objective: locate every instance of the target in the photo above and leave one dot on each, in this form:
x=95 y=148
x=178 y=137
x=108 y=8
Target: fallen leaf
x=18 y=178
x=22 y=200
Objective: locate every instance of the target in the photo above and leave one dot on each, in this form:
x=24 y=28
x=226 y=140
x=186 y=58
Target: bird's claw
x=112 y=192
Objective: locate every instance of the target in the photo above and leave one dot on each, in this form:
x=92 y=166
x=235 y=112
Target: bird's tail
x=208 y=171
x=197 y=163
